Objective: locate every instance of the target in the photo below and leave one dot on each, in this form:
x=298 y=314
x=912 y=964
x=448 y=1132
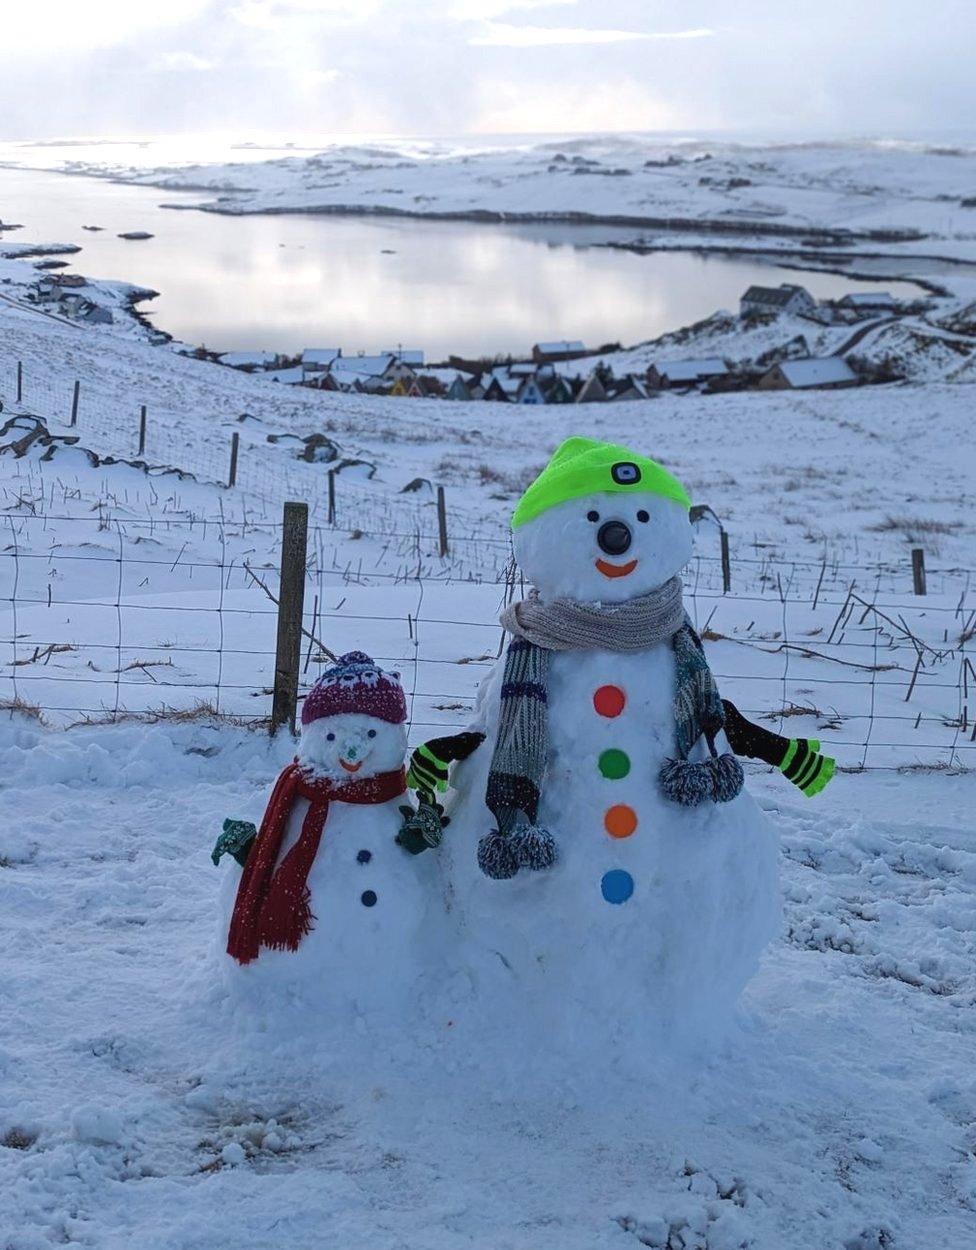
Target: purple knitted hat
x=355 y=683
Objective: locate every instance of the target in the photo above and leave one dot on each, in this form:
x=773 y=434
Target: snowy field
x=135 y=1110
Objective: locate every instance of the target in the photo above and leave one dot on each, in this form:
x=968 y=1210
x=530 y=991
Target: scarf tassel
x=500 y=855
x=719 y=779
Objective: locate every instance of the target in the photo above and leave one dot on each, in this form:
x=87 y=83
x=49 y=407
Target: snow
x=870 y=299
x=139 y=1105
x=674 y=371
x=845 y=1043
x=240 y=360
x=826 y=371
x=320 y=357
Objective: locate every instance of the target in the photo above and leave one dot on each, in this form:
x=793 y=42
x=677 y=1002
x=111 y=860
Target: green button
x=614 y=764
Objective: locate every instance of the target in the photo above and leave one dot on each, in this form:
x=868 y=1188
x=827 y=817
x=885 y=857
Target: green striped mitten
x=798 y=759
x=430 y=764
x=804 y=765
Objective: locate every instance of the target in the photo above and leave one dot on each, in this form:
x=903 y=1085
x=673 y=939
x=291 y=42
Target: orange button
x=620 y=821
x=609 y=701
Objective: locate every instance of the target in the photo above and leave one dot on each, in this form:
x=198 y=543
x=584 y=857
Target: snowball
x=233 y=1154
x=96 y=1124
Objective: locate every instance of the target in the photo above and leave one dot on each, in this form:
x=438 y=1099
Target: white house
x=797 y=375
x=773 y=300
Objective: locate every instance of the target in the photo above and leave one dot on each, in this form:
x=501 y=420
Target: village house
x=671 y=373
x=495 y=391
x=414 y=358
x=828 y=372
x=560 y=391
x=869 y=301
x=399 y=370
x=626 y=388
x=562 y=349
x=593 y=390
x=773 y=300
x=530 y=392
x=459 y=389
x=318 y=360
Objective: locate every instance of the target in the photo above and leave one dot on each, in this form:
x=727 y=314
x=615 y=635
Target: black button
x=364 y=857
x=368 y=898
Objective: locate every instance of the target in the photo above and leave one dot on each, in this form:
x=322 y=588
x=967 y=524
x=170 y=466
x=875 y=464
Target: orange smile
x=351 y=768
x=616 y=570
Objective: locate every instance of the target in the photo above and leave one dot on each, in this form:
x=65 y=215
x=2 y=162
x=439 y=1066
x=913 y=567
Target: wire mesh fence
x=106 y=619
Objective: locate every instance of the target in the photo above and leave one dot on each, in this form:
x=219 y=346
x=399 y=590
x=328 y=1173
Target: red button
x=609 y=701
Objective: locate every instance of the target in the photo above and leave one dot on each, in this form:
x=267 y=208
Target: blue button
x=617 y=886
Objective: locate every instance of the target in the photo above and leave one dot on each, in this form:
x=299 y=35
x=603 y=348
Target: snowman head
x=353 y=721
x=601 y=523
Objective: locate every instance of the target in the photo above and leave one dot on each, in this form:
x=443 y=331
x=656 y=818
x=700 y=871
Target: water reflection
x=282 y=283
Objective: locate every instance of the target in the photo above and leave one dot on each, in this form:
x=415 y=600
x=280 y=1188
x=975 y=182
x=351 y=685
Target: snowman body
x=655 y=914
x=371 y=903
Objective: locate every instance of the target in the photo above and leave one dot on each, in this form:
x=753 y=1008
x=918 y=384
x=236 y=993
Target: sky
x=270 y=70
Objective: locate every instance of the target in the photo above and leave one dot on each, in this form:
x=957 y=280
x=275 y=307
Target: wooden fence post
x=20 y=381
x=332 y=496
x=442 y=521
x=74 y=402
x=291 y=603
x=142 y=431
x=918 y=570
x=235 y=441
x=726 y=563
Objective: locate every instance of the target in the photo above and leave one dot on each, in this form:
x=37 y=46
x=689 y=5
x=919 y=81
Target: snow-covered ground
x=135 y=1108
x=132 y=1110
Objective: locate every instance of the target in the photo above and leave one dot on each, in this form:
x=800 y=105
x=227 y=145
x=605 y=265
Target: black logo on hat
x=625 y=473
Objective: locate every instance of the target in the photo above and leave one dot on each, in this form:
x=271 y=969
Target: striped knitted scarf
x=521 y=751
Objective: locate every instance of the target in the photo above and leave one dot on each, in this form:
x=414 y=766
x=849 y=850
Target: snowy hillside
x=877 y=189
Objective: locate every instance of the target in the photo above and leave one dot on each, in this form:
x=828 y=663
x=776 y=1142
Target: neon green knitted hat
x=582 y=466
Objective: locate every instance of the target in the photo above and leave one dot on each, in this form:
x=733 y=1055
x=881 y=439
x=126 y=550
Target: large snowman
x=605 y=864
x=330 y=915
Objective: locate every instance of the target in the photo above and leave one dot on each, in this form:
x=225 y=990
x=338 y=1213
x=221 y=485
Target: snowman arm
x=798 y=759
x=429 y=770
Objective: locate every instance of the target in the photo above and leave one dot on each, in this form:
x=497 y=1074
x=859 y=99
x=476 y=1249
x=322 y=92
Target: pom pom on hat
x=356 y=683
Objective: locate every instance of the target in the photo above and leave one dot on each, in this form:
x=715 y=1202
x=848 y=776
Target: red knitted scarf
x=273 y=905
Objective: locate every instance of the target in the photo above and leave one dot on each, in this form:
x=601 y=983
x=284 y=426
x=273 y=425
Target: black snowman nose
x=613 y=537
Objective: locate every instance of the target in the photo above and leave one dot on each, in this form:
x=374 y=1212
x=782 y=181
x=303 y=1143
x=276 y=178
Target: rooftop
x=822 y=371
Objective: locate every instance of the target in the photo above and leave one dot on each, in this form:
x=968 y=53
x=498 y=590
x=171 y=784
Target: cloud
x=485 y=10
x=501 y=35
x=184 y=61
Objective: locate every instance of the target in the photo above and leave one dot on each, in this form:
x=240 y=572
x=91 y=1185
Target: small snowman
x=603 y=852
x=329 y=911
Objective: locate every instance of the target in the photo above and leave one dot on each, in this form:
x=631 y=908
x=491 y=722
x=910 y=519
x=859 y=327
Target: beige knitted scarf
x=566 y=625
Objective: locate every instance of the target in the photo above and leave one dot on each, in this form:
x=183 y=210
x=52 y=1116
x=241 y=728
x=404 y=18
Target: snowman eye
x=593 y=516
x=330 y=737
x=643 y=516
x=371 y=734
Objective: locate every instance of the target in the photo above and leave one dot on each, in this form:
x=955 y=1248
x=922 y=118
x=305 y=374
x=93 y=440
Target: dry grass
x=20 y=707
x=914 y=528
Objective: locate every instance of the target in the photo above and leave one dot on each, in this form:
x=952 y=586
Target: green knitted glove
x=236 y=840
x=421 y=829
x=806 y=767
